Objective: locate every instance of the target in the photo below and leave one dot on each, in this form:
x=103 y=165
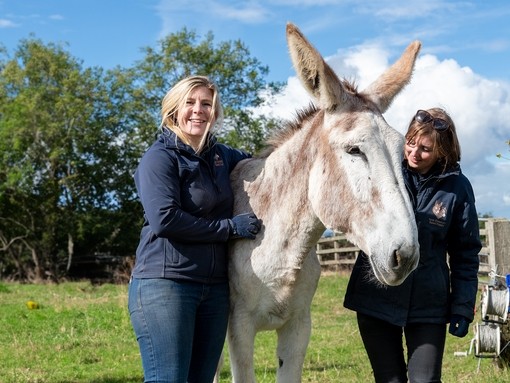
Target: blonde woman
x=179 y=293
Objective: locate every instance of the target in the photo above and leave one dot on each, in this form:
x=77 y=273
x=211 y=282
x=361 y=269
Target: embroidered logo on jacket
x=218 y=161
x=439 y=210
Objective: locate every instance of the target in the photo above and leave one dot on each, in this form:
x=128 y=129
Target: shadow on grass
x=332 y=366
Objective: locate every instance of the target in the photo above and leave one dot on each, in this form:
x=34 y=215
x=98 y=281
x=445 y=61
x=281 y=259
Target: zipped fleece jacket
x=446 y=279
x=187 y=200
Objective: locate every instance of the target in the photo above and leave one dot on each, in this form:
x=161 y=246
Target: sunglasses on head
x=424 y=117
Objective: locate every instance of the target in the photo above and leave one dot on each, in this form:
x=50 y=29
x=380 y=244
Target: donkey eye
x=354 y=150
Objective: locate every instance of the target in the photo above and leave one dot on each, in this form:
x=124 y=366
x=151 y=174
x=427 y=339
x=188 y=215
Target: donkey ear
x=383 y=90
x=315 y=74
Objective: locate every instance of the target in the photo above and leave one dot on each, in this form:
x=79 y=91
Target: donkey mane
x=289 y=127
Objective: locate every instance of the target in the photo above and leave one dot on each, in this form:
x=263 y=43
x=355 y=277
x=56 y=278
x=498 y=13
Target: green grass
x=81 y=333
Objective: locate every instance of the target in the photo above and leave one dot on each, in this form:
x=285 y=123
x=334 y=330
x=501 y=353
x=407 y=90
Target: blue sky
x=464 y=65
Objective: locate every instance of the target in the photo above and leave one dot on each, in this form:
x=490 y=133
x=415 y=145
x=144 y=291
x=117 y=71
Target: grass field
x=81 y=333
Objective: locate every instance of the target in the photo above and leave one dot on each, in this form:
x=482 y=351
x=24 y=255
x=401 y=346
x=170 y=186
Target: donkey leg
x=241 y=346
x=294 y=335
x=293 y=339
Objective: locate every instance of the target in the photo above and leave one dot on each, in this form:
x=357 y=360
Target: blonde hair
x=446 y=142
x=176 y=98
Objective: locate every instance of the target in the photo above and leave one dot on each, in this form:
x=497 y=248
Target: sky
x=463 y=67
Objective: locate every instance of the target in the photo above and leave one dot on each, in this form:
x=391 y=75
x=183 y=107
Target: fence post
x=498 y=232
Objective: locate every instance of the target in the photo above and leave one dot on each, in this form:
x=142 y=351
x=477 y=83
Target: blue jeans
x=180 y=327
x=383 y=342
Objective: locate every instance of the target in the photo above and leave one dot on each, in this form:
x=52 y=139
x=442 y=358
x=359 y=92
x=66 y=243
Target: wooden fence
x=337 y=254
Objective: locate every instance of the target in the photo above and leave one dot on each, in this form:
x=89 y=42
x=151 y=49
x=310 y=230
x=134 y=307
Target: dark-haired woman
x=442 y=290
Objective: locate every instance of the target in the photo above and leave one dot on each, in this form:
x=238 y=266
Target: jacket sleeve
x=158 y=186
x=463 y=248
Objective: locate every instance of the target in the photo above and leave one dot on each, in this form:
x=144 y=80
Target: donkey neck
x=280 y=192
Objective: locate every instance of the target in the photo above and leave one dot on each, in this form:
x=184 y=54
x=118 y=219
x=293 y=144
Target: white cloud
x=5 y=23
x=492 y=189
x=506 y=199
x=391 y=10
x=363 y=63
x=247 y=13
x=252 y=13
x=308 y=3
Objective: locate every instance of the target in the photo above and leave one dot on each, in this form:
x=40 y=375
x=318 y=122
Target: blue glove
x=459 y=326
x=245 y=225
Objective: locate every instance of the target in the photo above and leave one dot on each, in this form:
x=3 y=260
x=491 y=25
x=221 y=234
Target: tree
x=499 y=155
x=58 y=145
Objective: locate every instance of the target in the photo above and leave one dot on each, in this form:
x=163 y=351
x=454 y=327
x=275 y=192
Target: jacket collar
x=171 y=141
x=435 y=172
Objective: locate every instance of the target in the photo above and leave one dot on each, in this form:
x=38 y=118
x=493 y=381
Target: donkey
x=338 y=165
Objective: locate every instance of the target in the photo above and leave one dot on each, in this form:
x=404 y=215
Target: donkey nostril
x=396 y=260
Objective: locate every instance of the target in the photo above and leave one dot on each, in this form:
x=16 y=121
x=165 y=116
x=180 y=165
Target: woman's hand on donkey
x=245 y=225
